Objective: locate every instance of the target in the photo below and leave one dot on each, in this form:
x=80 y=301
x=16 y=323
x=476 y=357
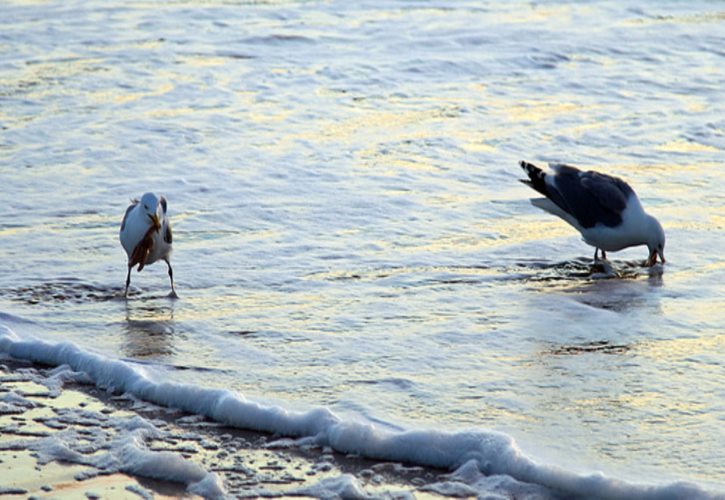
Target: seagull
x=604 y=209
x=146 y=235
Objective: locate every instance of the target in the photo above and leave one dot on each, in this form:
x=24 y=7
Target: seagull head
x=655 y=241
x=151 y=207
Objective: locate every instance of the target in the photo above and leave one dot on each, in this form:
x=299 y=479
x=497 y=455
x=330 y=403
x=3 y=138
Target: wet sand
x=34 y=408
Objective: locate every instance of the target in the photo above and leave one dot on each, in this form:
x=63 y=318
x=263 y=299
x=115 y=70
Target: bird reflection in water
x=620 y=295
x=149 y=330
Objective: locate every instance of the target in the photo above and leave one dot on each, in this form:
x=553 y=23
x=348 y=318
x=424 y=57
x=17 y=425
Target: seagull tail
x=536 y=177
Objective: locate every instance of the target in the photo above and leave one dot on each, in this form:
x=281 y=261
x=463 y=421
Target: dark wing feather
x=168 y=237
x=162 y=200
x=592 y=198
x=611 y=192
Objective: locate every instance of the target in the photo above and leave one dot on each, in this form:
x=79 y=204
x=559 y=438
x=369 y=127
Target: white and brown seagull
x=604 y=209
x=146 y=235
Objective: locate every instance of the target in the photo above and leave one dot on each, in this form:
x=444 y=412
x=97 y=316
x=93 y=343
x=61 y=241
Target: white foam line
x=495 y=453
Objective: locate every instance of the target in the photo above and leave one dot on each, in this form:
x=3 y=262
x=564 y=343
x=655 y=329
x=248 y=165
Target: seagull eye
x=146 y=207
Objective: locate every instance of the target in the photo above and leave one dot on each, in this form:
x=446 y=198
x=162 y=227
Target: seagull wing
x=168 y=237
x=590 y=197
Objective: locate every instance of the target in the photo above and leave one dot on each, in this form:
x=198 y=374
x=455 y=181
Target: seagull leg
x=128 y=281
x=173 y=294
x=604 y=255
x=596 y=254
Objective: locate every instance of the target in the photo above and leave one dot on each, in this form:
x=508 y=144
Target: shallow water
x=349 y=230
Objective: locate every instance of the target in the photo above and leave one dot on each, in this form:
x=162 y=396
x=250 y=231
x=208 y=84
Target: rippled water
x=349 y=230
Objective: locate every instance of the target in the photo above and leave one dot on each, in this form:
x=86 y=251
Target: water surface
x=349 y=230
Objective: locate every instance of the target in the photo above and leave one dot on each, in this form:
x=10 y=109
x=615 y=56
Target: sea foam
x=476 y=454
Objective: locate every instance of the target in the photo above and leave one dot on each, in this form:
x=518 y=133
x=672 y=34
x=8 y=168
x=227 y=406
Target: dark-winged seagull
x=604 y=209
x=146 y=235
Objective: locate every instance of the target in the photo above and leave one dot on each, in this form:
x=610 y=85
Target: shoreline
x=36 y=410
x=62 y=431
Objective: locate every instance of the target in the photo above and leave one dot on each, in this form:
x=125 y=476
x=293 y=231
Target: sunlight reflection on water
x=349 y=230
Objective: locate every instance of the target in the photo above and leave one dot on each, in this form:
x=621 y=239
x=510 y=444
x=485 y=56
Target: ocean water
x=349 y=229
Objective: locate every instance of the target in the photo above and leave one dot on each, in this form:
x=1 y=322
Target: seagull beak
x=155 y=221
